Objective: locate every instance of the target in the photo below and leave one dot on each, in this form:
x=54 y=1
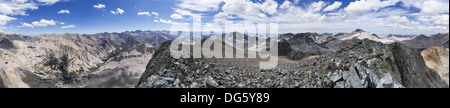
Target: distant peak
x=359 y=30
x=422 y=35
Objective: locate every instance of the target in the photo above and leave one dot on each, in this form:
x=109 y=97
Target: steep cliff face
x=437 y=59
x=161 y=60
x=365 y=64
x=413 y=71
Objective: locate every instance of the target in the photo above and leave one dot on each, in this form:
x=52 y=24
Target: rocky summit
x=365 y=64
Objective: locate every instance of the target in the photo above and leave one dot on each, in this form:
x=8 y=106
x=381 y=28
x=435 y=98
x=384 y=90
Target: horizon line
x=321 y=33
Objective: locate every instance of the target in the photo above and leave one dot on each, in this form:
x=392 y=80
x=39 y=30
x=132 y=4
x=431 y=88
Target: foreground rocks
x=365 y=64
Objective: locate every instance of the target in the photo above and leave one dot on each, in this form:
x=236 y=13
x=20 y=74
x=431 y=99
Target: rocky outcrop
x=365 y=64
x=412 y=68
x=375 y=62
x=437 y=59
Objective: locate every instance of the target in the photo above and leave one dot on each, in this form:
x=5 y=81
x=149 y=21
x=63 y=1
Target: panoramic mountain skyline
x=35 y=17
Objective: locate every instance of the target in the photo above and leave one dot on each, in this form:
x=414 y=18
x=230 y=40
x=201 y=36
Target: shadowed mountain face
x=302 y=42
x=359 y=30
x=284 y=48
x=6 y=44
x=446 y=45
x=423 y=42
x=332 y=44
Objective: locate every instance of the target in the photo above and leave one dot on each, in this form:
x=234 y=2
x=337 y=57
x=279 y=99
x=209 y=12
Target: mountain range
x=73 y=60
x=141 y=59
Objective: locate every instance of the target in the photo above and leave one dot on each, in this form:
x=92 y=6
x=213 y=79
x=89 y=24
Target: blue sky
x=34 y=17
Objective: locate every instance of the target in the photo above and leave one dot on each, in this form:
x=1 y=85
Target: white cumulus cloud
x=99 y=6
x=176 y=16
x=8 y=7
x=318 y=6
x=442 y=20
x=119 y=11
x=43 y=23
x=434 y=7
x=269 y=6
x=68 y=26
x=5 y=19
x=333 y=6
x=64 y=12
x=200 y=5
x=46 y=1
x=27 y=25
x=363 y=6
x=154 y=13
x=169 y=22
x=144 y=13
